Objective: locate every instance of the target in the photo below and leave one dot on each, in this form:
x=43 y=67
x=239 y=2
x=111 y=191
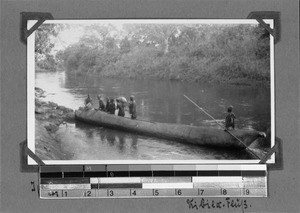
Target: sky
x=72 y=35
x=67 y=37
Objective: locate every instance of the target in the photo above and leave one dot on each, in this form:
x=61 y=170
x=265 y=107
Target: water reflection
x=111 y=139
x=134 y=139
x=121 y=144
x=159 y=101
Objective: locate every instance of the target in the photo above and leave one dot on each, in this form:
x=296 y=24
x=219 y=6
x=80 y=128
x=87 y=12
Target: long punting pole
x=221 y=126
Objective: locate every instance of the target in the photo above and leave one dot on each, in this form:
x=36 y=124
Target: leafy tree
x=44 y=44
x=125 y=46
x=155 y=35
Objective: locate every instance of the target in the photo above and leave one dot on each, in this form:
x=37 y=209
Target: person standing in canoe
x=107 y=104
x=111 y=106
x=120 y=107
x=88 y=102
x=229 y=120
x=132 y=107
x=101 y=103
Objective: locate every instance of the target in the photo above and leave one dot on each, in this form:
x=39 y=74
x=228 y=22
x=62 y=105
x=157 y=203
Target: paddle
x=221 y=126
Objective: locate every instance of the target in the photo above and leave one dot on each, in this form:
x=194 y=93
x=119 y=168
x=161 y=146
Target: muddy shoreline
x=49 y=119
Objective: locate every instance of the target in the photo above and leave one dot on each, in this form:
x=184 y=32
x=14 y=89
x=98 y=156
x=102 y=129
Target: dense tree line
x=198 y=52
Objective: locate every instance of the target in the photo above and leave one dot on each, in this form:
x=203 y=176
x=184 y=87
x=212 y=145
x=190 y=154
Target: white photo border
x=31 y=92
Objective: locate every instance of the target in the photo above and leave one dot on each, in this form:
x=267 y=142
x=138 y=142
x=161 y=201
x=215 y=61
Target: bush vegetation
x=202 y=52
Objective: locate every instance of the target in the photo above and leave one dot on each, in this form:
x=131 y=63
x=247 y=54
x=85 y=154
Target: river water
x=159 y=101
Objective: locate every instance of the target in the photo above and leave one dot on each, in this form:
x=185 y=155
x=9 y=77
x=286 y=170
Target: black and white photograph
x=149 y=106
x=150 y=90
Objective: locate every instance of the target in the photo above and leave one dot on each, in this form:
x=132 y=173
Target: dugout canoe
x=204 y=136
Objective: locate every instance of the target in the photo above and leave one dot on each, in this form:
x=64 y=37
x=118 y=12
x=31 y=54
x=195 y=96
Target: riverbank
x=203 y=79
x=49 y=119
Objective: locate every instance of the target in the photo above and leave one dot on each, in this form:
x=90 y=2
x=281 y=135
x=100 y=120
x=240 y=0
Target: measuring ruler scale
x=130 y=181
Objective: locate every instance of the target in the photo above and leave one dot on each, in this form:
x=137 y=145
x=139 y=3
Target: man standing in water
x=229 y=120
x=132 y=107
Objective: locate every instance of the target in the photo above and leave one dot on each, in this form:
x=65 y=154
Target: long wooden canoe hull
x=197 y=135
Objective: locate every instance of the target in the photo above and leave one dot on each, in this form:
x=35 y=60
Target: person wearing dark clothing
x=107 y=104
x=132 y=107
x=121 y=108
x=88 y=102
x=229 y=120
x=101 y=103
x=111 y=107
